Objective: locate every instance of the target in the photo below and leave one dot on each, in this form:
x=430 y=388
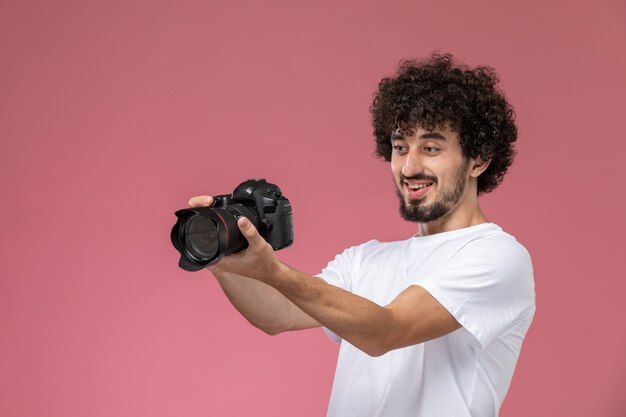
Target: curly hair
x=439 y=91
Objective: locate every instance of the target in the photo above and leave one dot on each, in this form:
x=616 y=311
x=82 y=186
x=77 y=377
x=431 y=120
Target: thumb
x=250 y=232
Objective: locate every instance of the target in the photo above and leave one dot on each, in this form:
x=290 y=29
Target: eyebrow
x=427 y=135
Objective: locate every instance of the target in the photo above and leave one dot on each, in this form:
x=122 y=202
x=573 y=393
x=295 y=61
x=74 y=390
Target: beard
x=415 y=211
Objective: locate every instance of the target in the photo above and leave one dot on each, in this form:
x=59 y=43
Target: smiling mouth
x=416 y=187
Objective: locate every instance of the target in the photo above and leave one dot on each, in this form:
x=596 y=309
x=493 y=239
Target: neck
x=466 y=215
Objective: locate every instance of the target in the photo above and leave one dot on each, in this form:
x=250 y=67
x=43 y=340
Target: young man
x=432 y=325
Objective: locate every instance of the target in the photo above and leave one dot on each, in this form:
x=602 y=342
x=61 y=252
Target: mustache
x=419 y=177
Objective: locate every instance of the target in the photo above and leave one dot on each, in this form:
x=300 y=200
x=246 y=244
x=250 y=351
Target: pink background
x=114 y=113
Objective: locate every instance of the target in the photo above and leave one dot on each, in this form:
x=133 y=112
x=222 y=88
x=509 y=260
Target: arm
x=262 y=305
x=414 y=316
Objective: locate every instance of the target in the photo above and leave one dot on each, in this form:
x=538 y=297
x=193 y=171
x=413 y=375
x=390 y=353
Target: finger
x=200 y=201
x=250 y=233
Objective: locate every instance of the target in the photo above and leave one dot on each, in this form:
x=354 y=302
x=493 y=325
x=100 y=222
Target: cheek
x=396 y=167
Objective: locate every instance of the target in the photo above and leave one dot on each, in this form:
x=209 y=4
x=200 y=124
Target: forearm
x=361 y=322
x=262 y=305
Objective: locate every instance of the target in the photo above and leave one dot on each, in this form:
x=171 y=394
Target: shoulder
x=485 y=256
x=373 y=247
x=375 y=251
x=372 y=252
x=495 y=259
x=497 y=247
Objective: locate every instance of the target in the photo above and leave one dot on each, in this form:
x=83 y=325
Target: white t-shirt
x=484 y=278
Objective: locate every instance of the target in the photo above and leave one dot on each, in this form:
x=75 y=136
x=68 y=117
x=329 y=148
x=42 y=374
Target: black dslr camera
x=204 y=235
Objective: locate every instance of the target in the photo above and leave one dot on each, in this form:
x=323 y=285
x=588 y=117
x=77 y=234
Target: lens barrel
x=204 y=235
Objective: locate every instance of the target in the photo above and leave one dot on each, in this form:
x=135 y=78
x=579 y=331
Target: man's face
x=430 y=172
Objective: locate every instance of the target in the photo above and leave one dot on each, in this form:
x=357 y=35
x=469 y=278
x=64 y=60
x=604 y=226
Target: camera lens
x=200 y=235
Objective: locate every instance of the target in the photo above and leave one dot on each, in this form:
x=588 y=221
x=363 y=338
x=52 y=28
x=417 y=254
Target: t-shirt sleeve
x=340 y=273
x=487 y=285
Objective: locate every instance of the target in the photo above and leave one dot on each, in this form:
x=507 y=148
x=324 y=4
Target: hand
x=257 y=261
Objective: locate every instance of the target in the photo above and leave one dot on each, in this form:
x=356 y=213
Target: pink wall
x=113 y=113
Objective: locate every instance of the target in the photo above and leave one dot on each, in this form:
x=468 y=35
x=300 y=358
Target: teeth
x=416 y=186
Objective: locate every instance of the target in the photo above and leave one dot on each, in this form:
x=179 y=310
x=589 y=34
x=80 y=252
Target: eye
x=431 y=150
x=399 y=148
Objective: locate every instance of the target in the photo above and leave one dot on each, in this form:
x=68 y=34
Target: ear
x=478 y=166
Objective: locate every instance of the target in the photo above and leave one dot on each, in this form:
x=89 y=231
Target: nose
x=412 y=165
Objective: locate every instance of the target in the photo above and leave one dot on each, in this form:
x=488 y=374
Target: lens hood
x=228 y=237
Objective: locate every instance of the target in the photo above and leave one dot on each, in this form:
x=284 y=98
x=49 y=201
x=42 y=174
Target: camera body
x=204 y=235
